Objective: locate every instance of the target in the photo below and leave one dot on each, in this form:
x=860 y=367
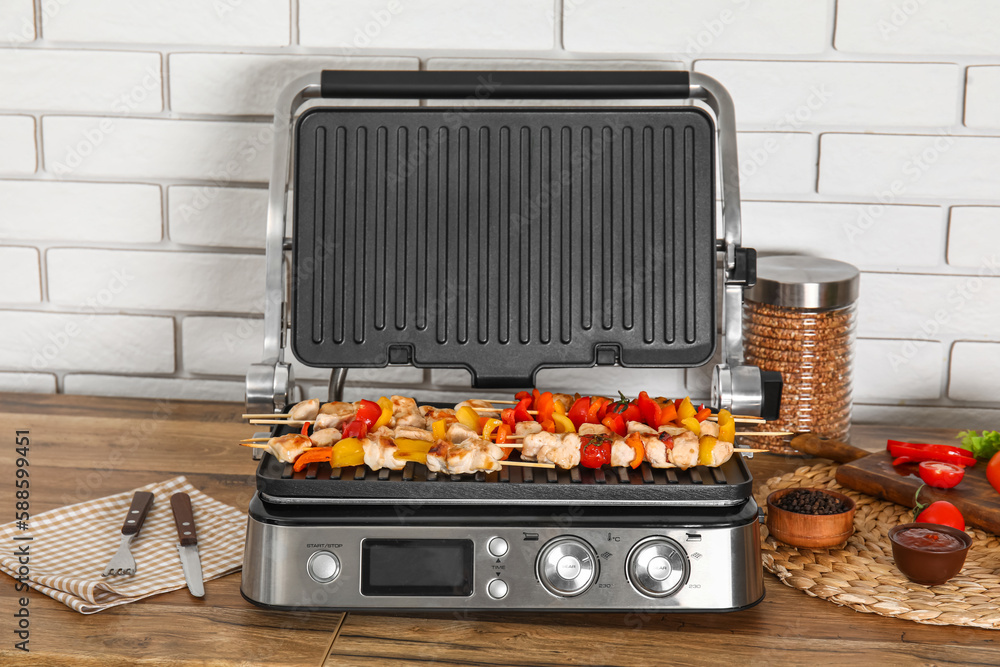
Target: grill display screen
x=416 y=567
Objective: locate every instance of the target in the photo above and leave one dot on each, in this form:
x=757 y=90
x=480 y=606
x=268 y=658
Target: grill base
x=720 y=549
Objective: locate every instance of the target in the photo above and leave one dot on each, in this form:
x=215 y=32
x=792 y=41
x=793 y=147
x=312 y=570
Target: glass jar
x=799 y=319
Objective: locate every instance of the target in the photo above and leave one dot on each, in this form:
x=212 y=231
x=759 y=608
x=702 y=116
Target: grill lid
x=504 y=240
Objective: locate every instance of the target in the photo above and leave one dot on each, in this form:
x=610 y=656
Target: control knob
x=657 y=567
x=567 y=566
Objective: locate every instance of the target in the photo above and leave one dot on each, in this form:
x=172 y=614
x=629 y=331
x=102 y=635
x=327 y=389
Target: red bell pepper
x=616 y=423
x=548 y=425
x=594 y=415
x=928 y=452
x=356 y=429
x=507 y=417
x=305 y=429
x=578 y=411
x=703 y=413
x=521 y=395
x=368 y=412
x=314 y=455
x=650 y=410
x=521 y=411
x=668 y=413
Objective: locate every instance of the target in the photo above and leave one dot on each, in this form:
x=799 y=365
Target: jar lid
x=796 y=281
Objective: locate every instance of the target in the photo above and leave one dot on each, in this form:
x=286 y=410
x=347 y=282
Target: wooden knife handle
x=184 y=518
x=835 y=450
x=137 y=511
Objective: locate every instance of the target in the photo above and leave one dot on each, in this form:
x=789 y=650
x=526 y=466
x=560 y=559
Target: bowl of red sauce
x=929 y=553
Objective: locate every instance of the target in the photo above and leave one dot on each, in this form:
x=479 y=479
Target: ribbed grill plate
x=504 y=240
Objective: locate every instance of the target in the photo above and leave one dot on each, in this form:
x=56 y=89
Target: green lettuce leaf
x=982 y=446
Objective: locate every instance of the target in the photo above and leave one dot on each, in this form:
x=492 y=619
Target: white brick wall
x=136 y=144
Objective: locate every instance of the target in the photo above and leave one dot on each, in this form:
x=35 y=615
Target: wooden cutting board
x=974 y=497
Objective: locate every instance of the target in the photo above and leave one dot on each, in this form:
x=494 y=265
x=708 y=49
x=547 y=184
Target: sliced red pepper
x=677 y=403
x=507 y=417
x=502 y=432
x=521 y=395
x=593 y=412
x=548 y=425
x=650 y=410
x=535 y=395
x=668 y=413
x=356 y=429
x=930 y=452
x=667 y=440
x=603 y=411
x=544 y=405
x=578 y=411
x=903 y=460
x=703 y=413
x=305 y=429
x=616 y=423
x=368 y=412
x=312 y=456
x=521 y=411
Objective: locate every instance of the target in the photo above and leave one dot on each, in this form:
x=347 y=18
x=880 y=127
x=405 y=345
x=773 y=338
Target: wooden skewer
x=252 y=445
x=741 y=450
x=290 y=422
x=254 y=440
x=265 y=415
x=753 y=433
x=504 y=402
x=525 y=464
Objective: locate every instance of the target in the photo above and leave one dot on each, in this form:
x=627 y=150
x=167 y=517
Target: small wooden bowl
x=810 y=530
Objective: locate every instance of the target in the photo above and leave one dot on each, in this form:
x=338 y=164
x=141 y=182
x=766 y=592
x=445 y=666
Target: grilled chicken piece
x=334 y=415
x=684 y=455
x=458 y=432
x=621 y=453
x=475 y=403
x=305 y=411
x=564 y=452
x=286 y=448
x=534 y=441
x=639 y=427
x=657 y=451
x=527 y=428
x=566 y=399
x=405 y=412
x=413 y=433
x=460 y=458
x=721 y=452
x=380 y=453
x=432 y=414
x=595 y=429
x=672 y=430
x=710 y=428
x=325 y=437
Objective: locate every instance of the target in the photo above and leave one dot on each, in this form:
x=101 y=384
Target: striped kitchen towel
x=71 y=546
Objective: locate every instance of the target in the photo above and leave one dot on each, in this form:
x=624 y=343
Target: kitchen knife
x=188 y=547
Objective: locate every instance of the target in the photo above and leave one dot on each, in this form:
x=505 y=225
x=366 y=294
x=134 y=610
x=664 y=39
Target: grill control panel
x=505 y=568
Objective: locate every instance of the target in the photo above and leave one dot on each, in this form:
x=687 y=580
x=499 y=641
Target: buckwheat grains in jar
x=799 y=320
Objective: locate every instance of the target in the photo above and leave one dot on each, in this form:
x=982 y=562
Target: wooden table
x=73 y=437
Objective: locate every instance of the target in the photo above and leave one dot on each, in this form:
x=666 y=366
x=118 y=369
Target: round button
x=323 y=567
x=497 y=589
x=657 y=567
x=498 y=547
x=566 y=566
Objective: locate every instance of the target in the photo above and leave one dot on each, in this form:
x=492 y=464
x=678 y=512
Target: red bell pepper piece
x=305 y=429
x=668 y=413
x=368 y=412
x=593 y=412
x=507 y=417
x=650 y=410
x=521 y=411
x=356 y=429
x=703 y=413
x=603 y=411
x=930 y=452
x=535 y=395
x=616 y=423
x=548 y=425
x=312 y=456
x=521 y=395
x=578 y=411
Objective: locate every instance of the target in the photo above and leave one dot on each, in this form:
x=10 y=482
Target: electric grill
x=504 y=240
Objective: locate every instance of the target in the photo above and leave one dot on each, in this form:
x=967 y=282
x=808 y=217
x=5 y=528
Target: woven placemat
x=862 y=575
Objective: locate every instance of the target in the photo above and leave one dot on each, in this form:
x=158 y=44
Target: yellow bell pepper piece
x=686 y=410
x=558 y=408
x=407 y=445
x=727 y=426
x=705 y=445
x=692 y=425
x=490 y=426
x=440 y=429
x=726 y=417
x=386 y=415
x=347 y=452
x=563 y=423
x=468 y=417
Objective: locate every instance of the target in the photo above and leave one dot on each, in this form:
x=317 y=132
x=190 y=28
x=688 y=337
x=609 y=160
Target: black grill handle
x=506 y=85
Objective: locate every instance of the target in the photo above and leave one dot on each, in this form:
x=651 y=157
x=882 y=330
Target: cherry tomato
x=941 y=475
x=944 y=513
x=993 y=472
x=595 y=451
x=578 y=411
x=355 y=429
